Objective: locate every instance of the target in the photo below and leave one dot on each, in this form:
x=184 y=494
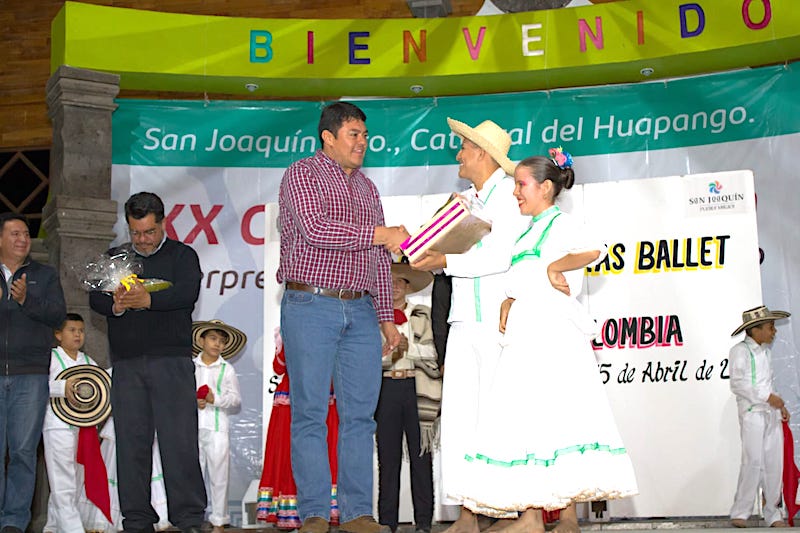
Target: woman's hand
x=568 y=263
x=505 y=307
x=557 y=280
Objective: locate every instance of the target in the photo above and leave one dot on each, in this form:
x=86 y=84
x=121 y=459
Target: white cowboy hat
x=417 y=279
x=236 y=339
x=490 y=137
x=758 y=315
x=92 y=394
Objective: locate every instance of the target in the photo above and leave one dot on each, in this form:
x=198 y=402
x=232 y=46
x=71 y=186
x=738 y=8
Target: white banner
x=215 y=193
x=682 y=264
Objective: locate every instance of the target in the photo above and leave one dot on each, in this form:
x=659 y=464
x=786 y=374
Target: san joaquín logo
x=719 y=198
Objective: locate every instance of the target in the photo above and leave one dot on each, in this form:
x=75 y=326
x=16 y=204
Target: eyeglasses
x=146 y=233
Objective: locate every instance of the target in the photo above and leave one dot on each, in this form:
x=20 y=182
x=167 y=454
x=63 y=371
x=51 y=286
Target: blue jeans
x=23 y=400
x=330 y=339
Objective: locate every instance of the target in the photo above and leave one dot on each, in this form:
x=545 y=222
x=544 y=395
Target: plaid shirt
x=327 y=222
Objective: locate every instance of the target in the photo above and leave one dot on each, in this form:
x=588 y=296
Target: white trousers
x=63 y=473
x=215 y=464
x=762 y=465
x=472 y=354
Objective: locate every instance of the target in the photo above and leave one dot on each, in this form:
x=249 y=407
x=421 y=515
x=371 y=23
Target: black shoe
x=11 y=529
x=423 y=530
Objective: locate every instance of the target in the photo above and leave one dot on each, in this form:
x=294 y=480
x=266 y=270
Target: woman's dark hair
x=543 y=168
x=142 y=204
x=336 y=114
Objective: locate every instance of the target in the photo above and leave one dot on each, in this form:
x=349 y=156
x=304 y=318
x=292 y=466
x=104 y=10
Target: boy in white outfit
x=217 y=396
x=760 y=414
x=60 y=438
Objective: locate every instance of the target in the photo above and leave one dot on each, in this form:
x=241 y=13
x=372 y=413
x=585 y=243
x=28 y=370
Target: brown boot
x=363 y=524
x=315 y=524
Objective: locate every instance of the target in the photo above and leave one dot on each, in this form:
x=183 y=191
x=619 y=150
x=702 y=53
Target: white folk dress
x=547 y=436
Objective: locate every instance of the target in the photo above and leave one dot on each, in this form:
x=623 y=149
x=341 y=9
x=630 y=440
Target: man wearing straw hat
x=760 y=414
x=478 y=278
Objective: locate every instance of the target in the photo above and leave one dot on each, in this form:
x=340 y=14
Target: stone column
x=80 y=215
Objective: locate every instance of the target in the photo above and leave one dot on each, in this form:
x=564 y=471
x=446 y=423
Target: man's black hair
x=142 y=204
x=5 y=217
x=336 y=114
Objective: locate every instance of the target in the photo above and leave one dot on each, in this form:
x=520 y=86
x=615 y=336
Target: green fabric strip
x=476 y=282
x=219 y=391
x=536 y=251
x=60 y=361
x=532 y=460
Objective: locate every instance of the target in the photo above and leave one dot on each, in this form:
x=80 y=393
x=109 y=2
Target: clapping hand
x=19 y=289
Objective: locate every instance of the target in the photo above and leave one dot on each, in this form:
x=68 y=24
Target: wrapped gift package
x=452 y=230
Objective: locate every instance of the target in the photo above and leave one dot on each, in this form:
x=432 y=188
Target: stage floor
x=688 y=525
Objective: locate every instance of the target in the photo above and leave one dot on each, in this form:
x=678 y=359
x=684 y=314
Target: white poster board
x=683 y=265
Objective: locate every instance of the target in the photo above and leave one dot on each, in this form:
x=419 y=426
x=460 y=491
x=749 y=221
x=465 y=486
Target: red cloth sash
x=95 y=475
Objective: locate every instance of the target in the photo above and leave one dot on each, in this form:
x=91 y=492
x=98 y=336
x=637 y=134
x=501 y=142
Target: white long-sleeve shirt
x=751 y=375
x=60 y=361
x=221 y=379
x=479 y=274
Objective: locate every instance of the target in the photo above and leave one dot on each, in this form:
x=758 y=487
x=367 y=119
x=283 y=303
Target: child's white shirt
x=221 y=379
x=60 y=361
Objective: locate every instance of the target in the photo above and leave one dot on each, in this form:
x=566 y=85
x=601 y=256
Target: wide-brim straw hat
x=417 y=279
x=236 y=338
x=758 y=315
x=92 y=393
x=489 y=136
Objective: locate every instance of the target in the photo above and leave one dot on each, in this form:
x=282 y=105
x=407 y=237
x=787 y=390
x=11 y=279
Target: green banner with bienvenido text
x=695 y=111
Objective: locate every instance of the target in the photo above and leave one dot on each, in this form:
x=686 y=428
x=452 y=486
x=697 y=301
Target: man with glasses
x=153 y=388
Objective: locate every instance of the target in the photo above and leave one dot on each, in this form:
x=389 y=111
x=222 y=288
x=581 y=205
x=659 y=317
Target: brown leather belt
x=399 y=374
x=342 y=294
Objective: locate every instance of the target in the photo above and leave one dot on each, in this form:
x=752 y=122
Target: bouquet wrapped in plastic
x=122 y=267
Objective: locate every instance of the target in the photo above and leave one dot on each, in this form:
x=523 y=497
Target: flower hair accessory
x=561 y=158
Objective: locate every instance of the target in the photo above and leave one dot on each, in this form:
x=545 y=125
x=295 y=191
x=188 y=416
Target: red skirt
x=277 y=494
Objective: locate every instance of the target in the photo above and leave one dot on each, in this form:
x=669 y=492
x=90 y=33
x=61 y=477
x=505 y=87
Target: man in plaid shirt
x=338 y=300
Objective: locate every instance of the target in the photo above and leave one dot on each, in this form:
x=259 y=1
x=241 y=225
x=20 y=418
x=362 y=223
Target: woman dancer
x=547 y=368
